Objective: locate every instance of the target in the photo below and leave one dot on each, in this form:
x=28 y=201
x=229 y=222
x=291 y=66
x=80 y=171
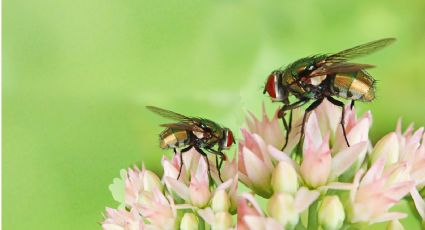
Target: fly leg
x=288 y=127
x=218 y=164
x=206 y=159
x=181 y=158
x=307 y=111
x=352 y=105
x=340 y=104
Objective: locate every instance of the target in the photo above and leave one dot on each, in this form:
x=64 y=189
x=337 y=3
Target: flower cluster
x=316 y=183
x=192 y=201
x=323 y=182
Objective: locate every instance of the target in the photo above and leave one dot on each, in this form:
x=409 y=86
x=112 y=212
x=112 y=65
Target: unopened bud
x=281 y=208
x=284 y=178
x=221 y=201
x=189 y=222
x=331 y=213
x=395 y=225
x=199 y=195
x=222 y=221
x=316 y=168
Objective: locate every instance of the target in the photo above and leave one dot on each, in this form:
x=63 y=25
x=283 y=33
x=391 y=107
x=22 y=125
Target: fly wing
x=344 y=67
x=360 y=50
x=168 y=114
x=183 y=126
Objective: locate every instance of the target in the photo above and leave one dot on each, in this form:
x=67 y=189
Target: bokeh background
x=78 y=74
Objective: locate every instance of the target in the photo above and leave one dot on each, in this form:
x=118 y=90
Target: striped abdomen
x=354 y=86
x=173 y=138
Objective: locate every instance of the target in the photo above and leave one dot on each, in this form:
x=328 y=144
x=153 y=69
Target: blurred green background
x=77 y=75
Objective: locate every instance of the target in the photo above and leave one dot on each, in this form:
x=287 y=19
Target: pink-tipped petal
x=257 y=172
x=374 y=172
x=312 y=133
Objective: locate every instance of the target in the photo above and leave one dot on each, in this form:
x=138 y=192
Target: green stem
x=312 y=216
x=201 y=224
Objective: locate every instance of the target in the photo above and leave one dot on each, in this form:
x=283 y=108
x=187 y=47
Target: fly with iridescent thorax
x=194 y=132
x=322 y=77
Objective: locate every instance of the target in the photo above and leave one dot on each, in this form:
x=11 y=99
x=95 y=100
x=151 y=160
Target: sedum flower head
x=318 y=182
x=168 y=203
x=365 y=181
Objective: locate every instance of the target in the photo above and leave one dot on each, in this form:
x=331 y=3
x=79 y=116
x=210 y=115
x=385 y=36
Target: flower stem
x=312 y=216
x=201 y=224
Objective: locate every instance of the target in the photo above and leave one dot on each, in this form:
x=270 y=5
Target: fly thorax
x=317 y=80
x=199 y=135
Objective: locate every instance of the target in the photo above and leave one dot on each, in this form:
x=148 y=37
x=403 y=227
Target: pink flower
x=137 y=182
x=268 y=129
x=319 y=167
x=376 y=192
x=250 y=215
x=325 y=120
x=316 y=165
x=158 y=209
x=412 y=152
x=284 y=210
x=122 y=220
x=255 y=165
x=197 y=192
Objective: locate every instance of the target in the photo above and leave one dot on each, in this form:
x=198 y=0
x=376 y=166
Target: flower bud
x=199 y=194
x=395 y=225
x=331 y=213
x=281 y=208
x=389 y=146
x=220 y=201
x=284 y=178
x=189 y=222
x=151 y=181
x=222 y=221
x=316 y=168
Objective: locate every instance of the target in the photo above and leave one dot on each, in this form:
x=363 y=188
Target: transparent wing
x=360 y=50
x=183 y=126
x=343 y=67
x=168 y=114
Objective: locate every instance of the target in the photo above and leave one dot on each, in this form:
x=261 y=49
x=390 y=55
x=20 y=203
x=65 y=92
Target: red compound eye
x=271 y=86
x=229 y=138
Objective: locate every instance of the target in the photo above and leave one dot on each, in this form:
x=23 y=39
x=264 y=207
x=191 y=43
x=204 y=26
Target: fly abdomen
x=354 y=86
x=173 y=138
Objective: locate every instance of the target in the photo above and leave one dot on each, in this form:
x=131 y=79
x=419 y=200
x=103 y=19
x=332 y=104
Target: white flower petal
x=207 y=214
x=374 y=172
x=337 y=186
x=180 y=188
x=255 y=222
x=344 y=159
x=419 y=202
x=281 y=156
x=304 y=198
x=257 y=171
x=388 y=217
